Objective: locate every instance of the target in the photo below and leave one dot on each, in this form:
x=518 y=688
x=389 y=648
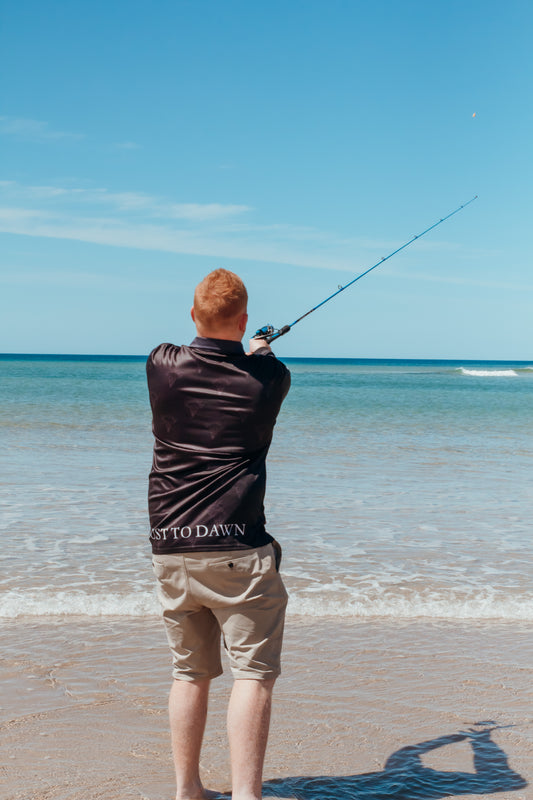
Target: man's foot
x=205 y=794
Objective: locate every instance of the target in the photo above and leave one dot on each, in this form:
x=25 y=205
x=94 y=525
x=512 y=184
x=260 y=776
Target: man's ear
x=192 y=315
x=243 y=321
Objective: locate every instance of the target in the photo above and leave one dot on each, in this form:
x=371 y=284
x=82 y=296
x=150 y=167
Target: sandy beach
x=363 y=709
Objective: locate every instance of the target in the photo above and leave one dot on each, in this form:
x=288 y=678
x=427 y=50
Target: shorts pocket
x=246 y=563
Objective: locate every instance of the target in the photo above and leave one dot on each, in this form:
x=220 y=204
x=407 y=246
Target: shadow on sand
x=406 y=778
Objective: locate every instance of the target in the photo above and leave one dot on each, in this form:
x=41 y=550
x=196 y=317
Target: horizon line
x=139 y=357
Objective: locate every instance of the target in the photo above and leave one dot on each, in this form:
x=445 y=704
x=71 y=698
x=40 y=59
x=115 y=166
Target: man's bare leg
x=248 y=724
x=187 y=708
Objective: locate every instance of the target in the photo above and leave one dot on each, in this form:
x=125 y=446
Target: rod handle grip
x=281 y=332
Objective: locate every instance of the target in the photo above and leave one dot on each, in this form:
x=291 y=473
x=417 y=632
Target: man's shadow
x=406 y=778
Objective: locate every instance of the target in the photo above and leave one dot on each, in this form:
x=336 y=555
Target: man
x=214 y=409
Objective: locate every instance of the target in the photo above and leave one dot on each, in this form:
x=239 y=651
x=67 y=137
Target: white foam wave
x=485 y=606
x=488 y=605
x=15 y=604
x=489 y=373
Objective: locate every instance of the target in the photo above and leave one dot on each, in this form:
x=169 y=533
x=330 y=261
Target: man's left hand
x=256 y=344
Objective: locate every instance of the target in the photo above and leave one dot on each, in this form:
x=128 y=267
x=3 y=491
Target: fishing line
x=269 y=333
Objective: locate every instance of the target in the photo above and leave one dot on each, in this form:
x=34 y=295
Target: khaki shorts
x=238 y=593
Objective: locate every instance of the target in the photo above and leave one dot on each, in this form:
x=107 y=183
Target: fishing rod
x=269 y=333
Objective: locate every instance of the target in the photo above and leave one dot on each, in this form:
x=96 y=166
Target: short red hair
x=220 y=297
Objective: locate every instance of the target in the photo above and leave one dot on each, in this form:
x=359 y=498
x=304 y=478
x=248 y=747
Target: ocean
x=399 y=490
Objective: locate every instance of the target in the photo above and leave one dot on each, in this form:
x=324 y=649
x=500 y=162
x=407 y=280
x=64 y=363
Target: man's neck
x=228 y=346
x=226 y=336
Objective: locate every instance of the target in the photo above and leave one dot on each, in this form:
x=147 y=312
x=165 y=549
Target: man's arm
x=262 y=348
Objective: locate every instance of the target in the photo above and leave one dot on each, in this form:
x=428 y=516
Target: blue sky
x=144 y=144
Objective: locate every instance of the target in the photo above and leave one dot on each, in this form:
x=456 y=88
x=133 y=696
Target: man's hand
x=255 y=344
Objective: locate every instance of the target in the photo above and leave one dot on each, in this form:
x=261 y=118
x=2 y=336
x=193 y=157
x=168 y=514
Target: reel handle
x=269 y=333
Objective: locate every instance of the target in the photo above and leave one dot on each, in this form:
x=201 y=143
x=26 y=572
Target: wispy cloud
x=113 y=232
x=142 y=221
x=208 y=211
x=33 y=130
x=19 y=215
x=121 y=202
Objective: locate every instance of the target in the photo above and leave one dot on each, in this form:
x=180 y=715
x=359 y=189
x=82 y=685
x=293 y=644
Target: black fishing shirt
x=214 y=410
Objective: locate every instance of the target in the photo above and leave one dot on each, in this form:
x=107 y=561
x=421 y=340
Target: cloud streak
x=114 y=233
x=129 y=202
x=33 y=130
x=142 y=221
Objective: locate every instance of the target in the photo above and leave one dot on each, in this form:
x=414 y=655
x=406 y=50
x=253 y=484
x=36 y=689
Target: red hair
x=220 y=297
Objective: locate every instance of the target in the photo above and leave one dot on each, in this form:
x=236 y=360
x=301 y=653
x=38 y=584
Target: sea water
x=398 y=489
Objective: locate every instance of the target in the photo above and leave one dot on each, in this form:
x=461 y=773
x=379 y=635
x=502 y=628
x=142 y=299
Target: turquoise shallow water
x=397 y=488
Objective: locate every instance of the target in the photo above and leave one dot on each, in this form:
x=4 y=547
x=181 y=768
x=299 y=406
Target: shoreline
x=84 y=711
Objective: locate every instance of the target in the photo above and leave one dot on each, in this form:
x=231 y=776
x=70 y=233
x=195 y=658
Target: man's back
x=214 y=410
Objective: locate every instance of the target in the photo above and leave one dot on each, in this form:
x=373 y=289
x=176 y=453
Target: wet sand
x=363 y=709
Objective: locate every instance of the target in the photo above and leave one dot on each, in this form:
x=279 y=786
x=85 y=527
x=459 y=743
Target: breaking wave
x=15 y=604
x=489 y=373
x=482 y=605
x=478 y=607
